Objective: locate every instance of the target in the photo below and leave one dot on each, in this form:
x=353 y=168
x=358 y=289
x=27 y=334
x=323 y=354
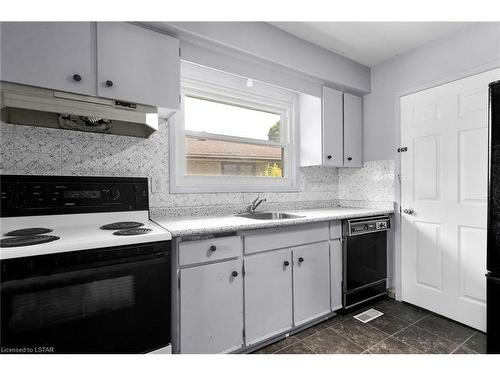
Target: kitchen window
x=236 y=136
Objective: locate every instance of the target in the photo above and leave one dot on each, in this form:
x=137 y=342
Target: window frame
x=262 y=97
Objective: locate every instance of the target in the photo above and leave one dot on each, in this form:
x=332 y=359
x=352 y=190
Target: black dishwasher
x=364 y=259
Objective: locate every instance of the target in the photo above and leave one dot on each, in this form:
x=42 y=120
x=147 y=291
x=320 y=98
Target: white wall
x=469 y=51
x=245 y=47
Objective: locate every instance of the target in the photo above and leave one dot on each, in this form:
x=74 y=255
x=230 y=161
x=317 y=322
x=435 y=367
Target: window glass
x=202 y=115
x=209 y=157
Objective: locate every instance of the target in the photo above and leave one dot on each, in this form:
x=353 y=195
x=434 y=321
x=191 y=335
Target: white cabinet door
x=268 y=295
x=311 y=281
x=353 y=131
x=48 y=54
x=137 y=65
x=336 y=274
x=211 y=308
x=332 y=122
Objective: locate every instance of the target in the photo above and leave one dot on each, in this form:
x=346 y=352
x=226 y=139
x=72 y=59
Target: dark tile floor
x=403 y=329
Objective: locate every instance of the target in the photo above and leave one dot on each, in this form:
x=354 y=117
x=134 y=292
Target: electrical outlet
x=155 y=184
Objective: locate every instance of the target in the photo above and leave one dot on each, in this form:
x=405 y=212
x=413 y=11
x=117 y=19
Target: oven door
x=113 y=300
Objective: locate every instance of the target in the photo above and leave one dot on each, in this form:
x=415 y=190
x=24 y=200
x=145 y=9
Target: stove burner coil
x=26 y=240
x=28 y=232
x=122 y=225
x=132 y=232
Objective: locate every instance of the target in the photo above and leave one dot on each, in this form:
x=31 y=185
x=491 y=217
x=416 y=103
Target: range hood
x=26 y=105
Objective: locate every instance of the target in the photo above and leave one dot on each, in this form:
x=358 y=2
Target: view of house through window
x=224 y=139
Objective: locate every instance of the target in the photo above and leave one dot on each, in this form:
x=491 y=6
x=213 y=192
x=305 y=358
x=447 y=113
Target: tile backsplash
x=373 y=182
x=36 y=150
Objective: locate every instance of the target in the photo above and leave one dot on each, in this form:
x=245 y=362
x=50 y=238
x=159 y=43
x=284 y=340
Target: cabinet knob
x=329 y=157
x=77 y=77
x=234 y=274
x=286 y=263
x=213 y=248
x=301 y=260
x=349 y=158
x=109 y=83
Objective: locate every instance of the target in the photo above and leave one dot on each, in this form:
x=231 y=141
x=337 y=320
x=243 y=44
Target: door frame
x=397 y=157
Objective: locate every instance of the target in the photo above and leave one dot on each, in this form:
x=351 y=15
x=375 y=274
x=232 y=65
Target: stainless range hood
x=25 y=105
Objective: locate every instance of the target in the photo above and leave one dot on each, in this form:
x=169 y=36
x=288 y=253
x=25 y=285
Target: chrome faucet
x=255 y=203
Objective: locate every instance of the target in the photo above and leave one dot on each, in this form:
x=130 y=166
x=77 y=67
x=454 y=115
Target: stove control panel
x=51 y=195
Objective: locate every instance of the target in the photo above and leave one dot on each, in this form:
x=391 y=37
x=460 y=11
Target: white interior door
x=444 y=183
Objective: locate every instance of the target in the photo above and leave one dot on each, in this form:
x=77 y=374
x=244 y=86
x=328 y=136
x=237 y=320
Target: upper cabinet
x=331 y=129
x=54 y=55
x=137 y=65
x=353 y=131
x=113 y=60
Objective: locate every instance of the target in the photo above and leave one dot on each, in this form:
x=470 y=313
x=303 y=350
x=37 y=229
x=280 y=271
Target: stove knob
x=115 y=194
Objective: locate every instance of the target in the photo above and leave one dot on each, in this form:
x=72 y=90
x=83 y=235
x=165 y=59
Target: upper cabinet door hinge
x=402 y=149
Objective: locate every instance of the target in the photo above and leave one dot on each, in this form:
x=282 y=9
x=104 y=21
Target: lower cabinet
x=311 y=281
x=237 y=301
x=268 y=295
x=211 y=308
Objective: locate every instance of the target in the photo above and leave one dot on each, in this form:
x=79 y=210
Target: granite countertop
x=193 y=226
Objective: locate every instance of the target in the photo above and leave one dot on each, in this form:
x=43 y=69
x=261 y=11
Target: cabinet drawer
x=199 y=251
x=262 y=240
x=335 y=229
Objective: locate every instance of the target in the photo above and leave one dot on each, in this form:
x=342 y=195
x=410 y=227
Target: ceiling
x=370 y=43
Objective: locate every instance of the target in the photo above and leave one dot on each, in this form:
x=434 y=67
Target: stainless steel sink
x=269 y=215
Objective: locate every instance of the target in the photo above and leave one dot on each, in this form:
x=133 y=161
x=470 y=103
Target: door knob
x=301 y=260
x=286 y=263
x=408 y=211
x=77 y=77
x=234 y=274
x=109 y=83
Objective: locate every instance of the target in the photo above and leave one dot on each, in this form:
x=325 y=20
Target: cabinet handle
x=286 y=263
x=77 y=77
x=109 y=83
x=234 y=274
x=301 y=260
x=213 y=248
x=349 y=158
x=329 y=157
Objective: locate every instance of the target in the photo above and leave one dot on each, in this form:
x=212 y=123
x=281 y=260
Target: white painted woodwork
x=335 y=229
x=143 y=65
x=268 y=295
x=331 y=127
x=278 y=238
x=311 y=133
x=444 y=180
x=200 y=251
x=311 y=282
x=333 y=133
x=211 y=308
x=48 y=54
x=353 y=131
x=336 y=274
